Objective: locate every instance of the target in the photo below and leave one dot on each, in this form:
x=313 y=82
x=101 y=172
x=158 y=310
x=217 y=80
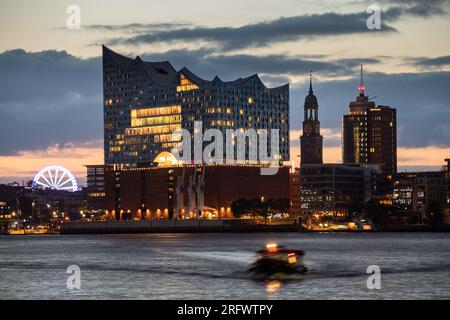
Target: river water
x=212 y=266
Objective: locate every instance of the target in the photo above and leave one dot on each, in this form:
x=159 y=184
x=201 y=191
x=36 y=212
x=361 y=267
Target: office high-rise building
x=333 y=188
x=145 y=102
x=311 y=141
x=370 y=133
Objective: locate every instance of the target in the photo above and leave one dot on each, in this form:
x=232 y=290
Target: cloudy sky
x=50 y=76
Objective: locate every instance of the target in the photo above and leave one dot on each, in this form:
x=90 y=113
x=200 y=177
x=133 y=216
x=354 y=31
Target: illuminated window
x=185 y=84
x=250 y=100
x=96 y=195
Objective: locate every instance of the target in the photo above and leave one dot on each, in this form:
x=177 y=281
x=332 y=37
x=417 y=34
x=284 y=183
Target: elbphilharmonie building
x=145 y=102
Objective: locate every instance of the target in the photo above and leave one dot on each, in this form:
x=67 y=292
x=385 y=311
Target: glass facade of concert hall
x=145 y=102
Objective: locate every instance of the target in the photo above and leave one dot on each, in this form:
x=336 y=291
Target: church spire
x=311 y=141
x=361 y=87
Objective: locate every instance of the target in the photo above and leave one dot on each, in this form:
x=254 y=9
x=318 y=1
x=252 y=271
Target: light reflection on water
x=213 y=266
x=272 y=286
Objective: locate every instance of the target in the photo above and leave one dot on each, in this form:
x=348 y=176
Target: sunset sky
x=51 y=77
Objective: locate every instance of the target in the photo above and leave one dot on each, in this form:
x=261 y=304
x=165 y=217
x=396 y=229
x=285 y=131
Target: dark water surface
x=212 y=266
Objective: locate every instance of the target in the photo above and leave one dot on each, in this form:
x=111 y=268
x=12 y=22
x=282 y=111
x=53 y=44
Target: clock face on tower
x=308 y=128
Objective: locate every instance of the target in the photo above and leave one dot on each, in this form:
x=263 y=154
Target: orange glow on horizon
x=407 y=157
x=26 y=164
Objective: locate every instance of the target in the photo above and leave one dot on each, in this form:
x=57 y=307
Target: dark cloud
x=52 y=97
x=397 y=9
x=48 y=97
x=283 y=29
x=137 y=27
x=262 y=33
x=430 y=62
x=415 y=8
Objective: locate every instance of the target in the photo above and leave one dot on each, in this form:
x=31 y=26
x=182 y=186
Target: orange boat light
x=272 y=247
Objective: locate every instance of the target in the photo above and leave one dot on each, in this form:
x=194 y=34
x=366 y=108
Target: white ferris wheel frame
x=56 y=178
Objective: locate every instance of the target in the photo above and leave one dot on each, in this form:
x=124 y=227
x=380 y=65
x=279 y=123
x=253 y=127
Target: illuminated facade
x=369 y=134
x=145 y=102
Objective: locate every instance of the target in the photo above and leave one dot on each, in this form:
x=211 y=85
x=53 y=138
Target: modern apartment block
x=145 y=102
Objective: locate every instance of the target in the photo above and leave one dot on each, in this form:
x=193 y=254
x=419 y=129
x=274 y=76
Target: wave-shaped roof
x=163 y=73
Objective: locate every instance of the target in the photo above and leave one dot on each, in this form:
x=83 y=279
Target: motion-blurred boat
x=277 y=262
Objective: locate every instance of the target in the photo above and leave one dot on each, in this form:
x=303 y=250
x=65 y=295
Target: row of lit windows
x=152 y=130
x=169 y=145
x=132 y=140
x=176 y=137
x=218 y=110
x=153 y=112
x=228 y=123
x=96 y=195
x=188 y=87
x=153 y=121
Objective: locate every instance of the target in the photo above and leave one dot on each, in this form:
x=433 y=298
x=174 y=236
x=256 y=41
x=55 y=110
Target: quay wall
x=176 y=226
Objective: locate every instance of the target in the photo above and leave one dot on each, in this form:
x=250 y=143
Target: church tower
x=311 y=140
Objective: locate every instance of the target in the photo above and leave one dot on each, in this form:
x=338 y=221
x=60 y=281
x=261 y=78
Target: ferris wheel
x=55 y=178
